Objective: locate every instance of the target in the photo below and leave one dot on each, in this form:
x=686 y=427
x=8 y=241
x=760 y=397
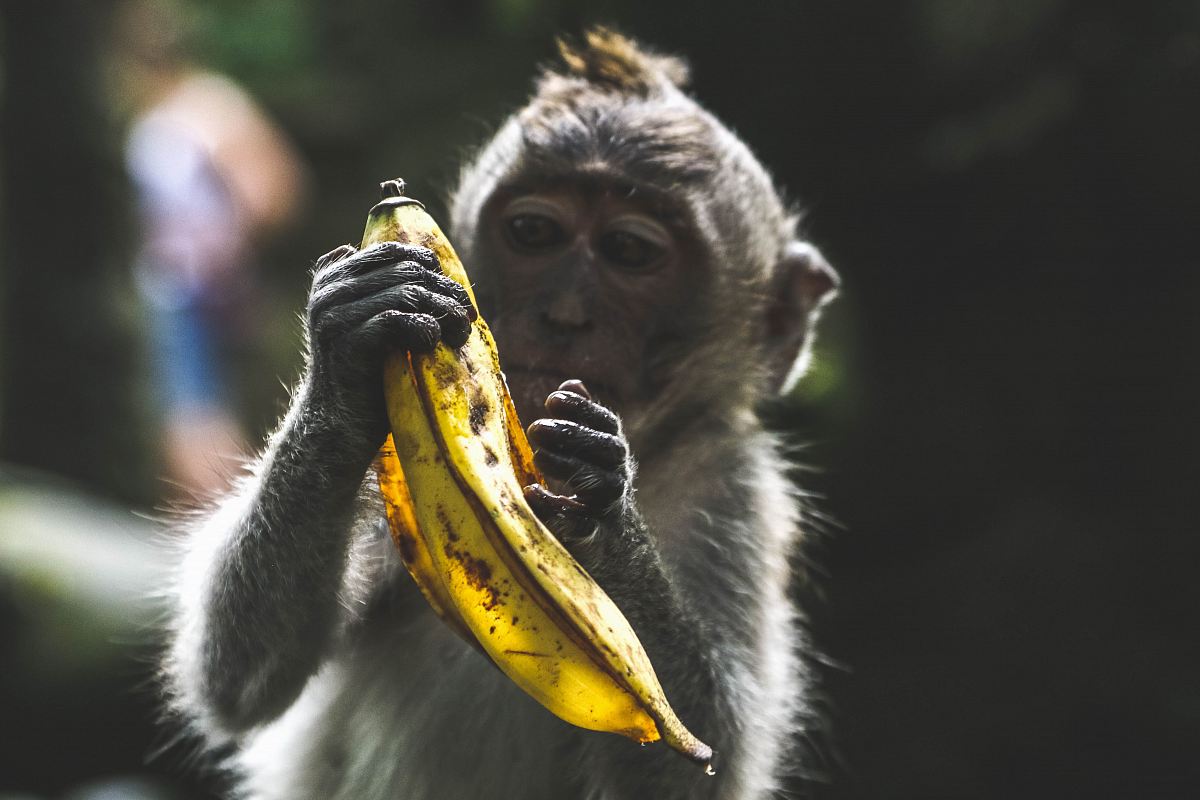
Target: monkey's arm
x=583 y=448
x=258 y=602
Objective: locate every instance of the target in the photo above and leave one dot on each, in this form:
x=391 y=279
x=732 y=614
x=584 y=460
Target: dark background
x=1002 y=427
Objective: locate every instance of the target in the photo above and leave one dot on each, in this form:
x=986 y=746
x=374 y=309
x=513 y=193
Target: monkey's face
x=586 y=282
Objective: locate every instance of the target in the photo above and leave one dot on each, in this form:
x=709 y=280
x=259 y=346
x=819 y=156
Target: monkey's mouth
x=520 y=374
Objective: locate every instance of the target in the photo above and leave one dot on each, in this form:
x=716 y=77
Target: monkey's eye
x=532 y=232
x=636 y=244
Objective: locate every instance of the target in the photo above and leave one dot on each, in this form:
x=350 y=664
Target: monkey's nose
x=567 y=313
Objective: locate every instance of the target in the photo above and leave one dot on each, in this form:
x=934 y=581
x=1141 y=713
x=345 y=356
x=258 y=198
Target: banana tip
x=701 y=754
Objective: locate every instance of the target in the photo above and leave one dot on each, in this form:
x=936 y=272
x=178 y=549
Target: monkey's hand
x=363 y=305
x=581 y=447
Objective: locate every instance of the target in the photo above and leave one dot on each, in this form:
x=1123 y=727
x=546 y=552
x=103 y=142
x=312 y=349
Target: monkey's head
x=619 y=233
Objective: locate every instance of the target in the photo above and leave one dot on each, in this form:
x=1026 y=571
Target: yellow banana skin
x=452 y=476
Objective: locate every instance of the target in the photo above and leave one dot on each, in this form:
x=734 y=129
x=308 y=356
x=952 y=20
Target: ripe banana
x=452 y=475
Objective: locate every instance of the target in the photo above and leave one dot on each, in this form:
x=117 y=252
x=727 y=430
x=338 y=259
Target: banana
x=452 y=475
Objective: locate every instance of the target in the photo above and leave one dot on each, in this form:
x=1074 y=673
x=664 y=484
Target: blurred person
x=213 y=178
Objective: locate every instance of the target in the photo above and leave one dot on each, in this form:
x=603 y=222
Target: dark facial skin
x=584 y=283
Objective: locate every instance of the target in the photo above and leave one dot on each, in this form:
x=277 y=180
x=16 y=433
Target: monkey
x=649 y=290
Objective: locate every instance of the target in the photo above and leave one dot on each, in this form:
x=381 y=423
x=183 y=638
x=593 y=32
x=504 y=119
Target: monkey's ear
x=802 y=283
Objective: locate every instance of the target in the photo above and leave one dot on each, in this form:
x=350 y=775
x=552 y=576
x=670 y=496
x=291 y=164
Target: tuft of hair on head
x=609 y=59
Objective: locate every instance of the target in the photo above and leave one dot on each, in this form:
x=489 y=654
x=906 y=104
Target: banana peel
x=452 y=475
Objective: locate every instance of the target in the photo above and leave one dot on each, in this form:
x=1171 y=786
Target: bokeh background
x=1001 y=429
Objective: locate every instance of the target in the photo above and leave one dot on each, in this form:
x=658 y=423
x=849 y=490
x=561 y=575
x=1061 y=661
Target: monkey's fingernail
x=575 y=386
x=538 y=495
x=539 y=425
x=337 y=254
x=536 y=490
x=535 y=494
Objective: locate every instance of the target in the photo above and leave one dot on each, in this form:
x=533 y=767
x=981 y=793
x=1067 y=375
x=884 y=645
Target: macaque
x=648 y=290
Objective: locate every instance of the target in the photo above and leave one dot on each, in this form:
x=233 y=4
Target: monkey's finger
x=437 y=282
x=375 y=256
x=599 y=489
x=330 y=320
x=391 y=252
x=334 y=255
x=454 y=324
x=588 y=445
x=576 y=408
x=393 y=330
x=331 y=289
x=326 y=295
x=567 y=519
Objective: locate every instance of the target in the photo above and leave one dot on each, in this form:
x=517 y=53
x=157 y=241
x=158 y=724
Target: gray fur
x=300 y=639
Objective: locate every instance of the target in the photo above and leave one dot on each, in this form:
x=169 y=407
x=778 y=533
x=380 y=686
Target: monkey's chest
x=411 y=712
